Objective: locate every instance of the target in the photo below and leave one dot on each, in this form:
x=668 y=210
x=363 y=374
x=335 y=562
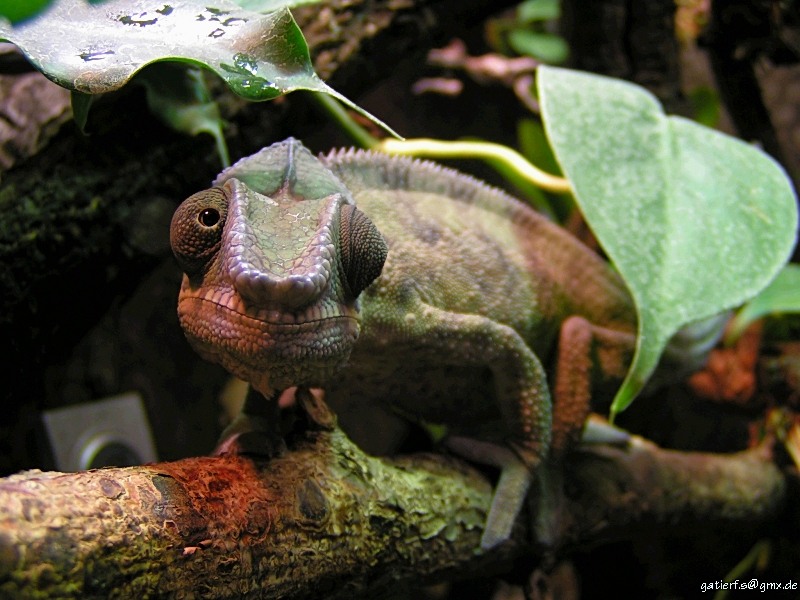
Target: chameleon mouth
x=231 y=305
x=268 y=354
x=221 y=321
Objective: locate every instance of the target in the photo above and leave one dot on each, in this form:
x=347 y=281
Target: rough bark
x=626 y=39
x=737 y=36
x=325 y=520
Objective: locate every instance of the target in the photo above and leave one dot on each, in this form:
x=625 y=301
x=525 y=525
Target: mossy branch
x=326 y=520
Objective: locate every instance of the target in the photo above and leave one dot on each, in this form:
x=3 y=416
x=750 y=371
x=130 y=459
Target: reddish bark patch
x=213 y=500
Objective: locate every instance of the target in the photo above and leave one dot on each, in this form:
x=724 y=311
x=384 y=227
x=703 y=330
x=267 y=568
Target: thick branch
x=327 y=520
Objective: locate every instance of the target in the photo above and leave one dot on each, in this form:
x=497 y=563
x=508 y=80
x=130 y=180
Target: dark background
x=90 y=286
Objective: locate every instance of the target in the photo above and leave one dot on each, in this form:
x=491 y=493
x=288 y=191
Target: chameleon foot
x=255 y=431
x=250 y=436
x=316 y=408
x=599 y=431
x=511 y=490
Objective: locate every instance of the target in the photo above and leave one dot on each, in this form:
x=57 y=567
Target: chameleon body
x=393 y=281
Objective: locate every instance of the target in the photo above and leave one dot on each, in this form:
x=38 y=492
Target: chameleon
x=401 y=283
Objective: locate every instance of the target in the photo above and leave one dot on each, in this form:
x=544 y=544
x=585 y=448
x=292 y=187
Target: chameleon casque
x=393 y=281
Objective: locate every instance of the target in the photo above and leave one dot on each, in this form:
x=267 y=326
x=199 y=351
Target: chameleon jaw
x=304 y=350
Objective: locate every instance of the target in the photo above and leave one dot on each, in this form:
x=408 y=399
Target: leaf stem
x=222 y=146
x=758 y=554
x=334 y=108
x=425 y=147
x=483 y=150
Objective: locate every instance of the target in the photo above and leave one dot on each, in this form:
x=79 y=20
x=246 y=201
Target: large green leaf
x=19 y=10
x=696 y=221
x=96 y=49
x=270 y=5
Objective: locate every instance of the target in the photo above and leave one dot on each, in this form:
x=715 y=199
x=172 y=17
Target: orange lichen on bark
x=94 y=522
x=215 y=500
x=730 y=373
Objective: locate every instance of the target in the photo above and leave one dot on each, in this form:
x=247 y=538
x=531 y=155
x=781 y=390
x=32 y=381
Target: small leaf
x=177 y=94
x=706 y=104
x=545 y=47
x=779 y=297
x=97 y=49
x=695 y=221
x=81 y=103
x=792 y=444
x=533 y=145
x=538 y=10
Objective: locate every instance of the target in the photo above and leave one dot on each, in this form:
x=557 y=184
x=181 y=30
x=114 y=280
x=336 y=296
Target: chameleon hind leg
x=587 y=353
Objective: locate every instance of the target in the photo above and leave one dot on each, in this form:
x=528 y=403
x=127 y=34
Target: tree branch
x=325 y=520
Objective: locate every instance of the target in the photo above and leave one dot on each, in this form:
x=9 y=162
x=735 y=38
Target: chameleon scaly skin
x=398 y=282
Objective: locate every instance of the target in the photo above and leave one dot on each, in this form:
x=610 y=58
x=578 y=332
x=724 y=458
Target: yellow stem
x=440 y=149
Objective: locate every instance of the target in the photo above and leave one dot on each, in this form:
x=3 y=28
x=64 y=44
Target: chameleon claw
x=509 y=495
x=248 y=436
x=316 y=408
x=518 y=471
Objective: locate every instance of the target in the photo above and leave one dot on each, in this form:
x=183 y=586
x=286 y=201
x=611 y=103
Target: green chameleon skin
x=397 y=282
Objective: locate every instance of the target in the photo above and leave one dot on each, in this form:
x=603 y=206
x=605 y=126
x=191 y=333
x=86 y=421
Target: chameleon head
x=274 y=256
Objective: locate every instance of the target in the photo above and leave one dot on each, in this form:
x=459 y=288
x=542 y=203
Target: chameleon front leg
x=584 y=349
x=511 y=490
x=522 y=396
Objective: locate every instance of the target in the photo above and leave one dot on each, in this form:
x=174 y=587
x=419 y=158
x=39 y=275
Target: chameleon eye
x=208 y=217
x=363 y=249
x=196 y=230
